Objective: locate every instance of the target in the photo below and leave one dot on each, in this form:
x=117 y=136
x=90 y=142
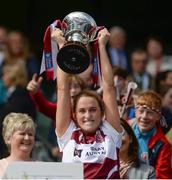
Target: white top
x=166 y=64
x=3 y=165
x=94 y=151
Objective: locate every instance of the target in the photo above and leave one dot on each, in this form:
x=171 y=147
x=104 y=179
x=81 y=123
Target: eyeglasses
x=148 y=111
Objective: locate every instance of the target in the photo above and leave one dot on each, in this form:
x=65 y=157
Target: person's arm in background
x=43 y=105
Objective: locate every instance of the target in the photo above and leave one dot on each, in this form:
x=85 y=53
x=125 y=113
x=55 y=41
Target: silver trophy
x=79 y=29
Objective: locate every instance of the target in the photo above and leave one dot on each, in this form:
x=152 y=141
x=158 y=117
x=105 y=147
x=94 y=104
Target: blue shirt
x=118 y=58
x=143 y=139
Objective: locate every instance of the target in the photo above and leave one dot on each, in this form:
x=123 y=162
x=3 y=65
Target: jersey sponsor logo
x=96 y=151
x=77 y=152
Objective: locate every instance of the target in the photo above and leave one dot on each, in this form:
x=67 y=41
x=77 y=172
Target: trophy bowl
x=79 y=29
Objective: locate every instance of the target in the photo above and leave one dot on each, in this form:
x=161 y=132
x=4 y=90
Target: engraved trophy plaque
x=79 y=29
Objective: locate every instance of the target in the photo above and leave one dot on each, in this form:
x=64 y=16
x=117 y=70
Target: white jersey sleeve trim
x=115 y=135
x=63 y=140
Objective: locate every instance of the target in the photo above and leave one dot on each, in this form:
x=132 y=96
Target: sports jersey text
x=96 y=151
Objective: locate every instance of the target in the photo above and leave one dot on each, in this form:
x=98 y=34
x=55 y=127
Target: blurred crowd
x=24 y=90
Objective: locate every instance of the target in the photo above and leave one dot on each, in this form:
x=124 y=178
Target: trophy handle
x=97 y=30
x=63 y=27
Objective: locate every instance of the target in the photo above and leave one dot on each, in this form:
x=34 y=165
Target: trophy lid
x=79 y=23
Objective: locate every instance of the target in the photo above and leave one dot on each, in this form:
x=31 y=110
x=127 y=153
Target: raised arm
x=109 y=96
x=63 y=114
